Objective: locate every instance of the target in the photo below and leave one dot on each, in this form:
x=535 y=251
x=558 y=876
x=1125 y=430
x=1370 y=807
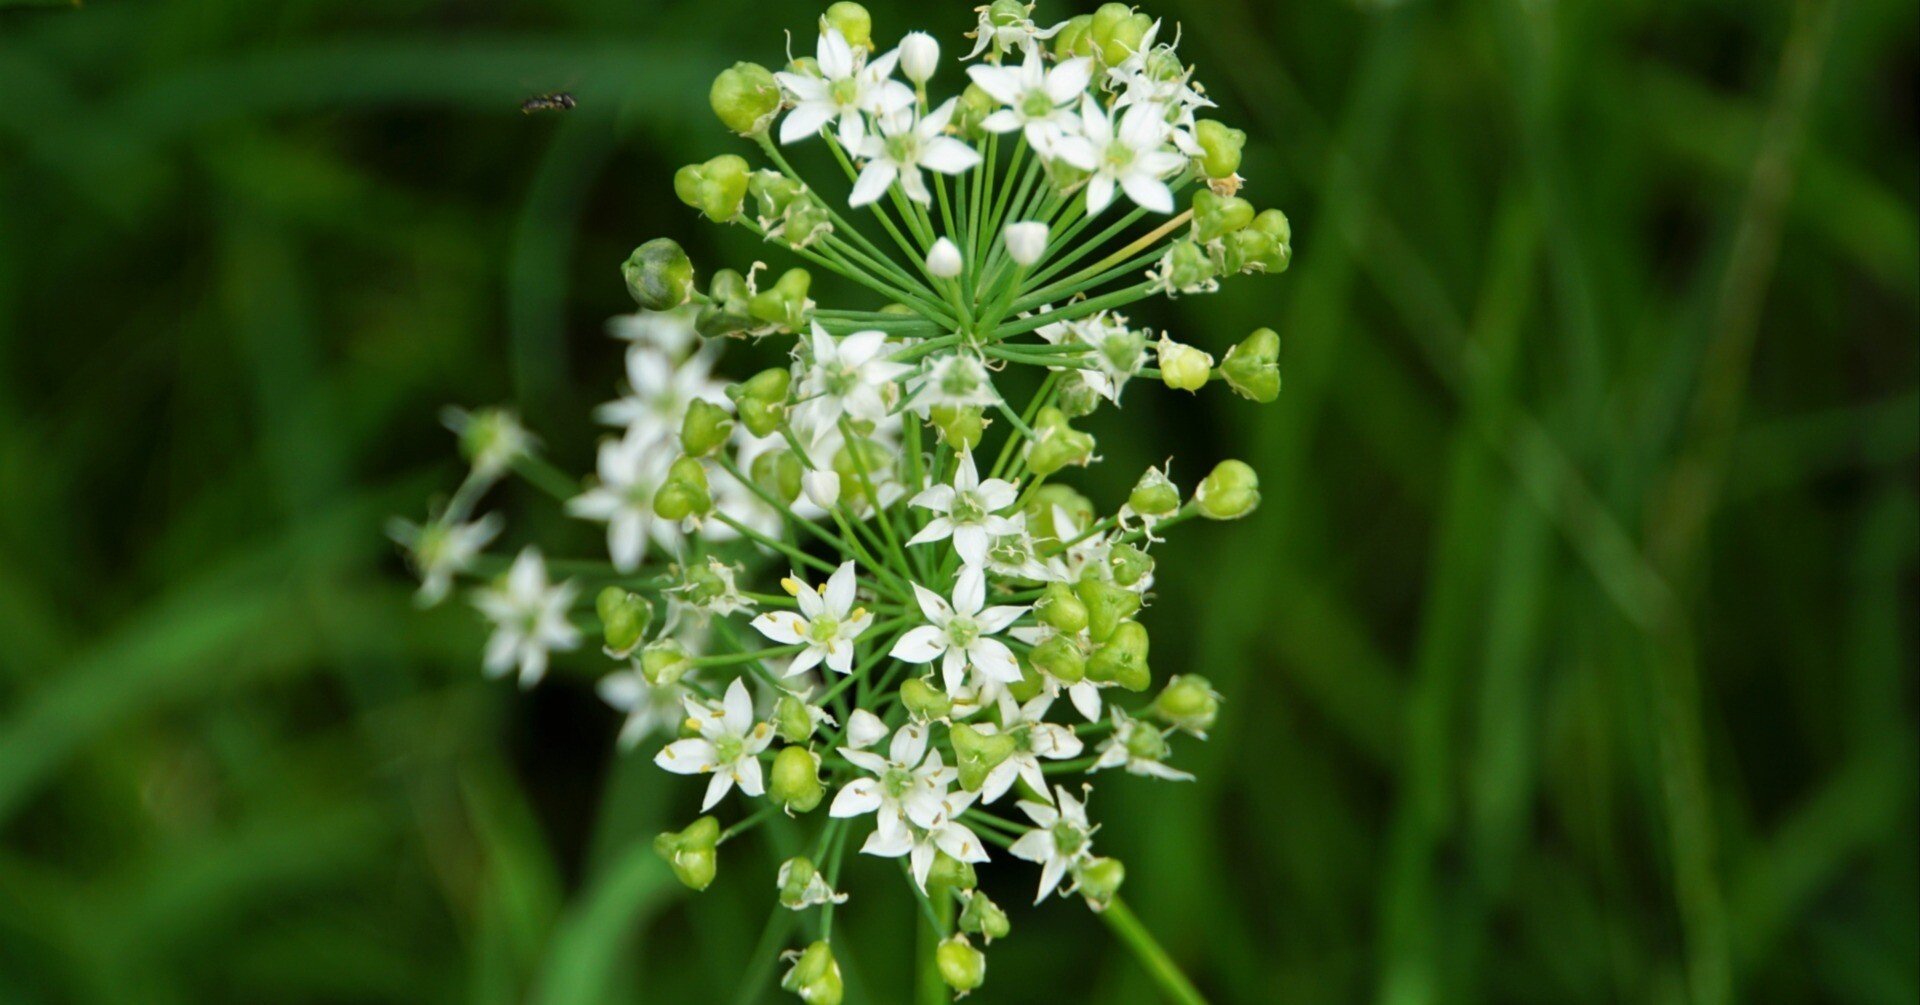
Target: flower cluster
x=861 y=580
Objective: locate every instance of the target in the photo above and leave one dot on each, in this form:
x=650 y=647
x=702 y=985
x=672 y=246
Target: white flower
x=492 y=438
x=908 y=785
x=961 y=635
x=659 y=389
x=648 y=708
x=822 y=488
x=919 y=56
x=1060 y=840
x=1139 y=747
x=529 y=617
x=710 y=592
x=1118 y=352
x=943 y=260
x=440 y=550
x=1131 y=156
x=827 y=623
x=816 y=892
x=631 y=469
x=1039 y=101
x=904 y=145
x=1026 y=241
x=948 y=835
x=728 y=746
x=671 y=332
x=847 y=377
x=1003 y=37
x=848 y=89
x=1036 y=738
x=956 y=380
x=1084 y=693
x=864 y=729
x=966 y=511
x=1011 y=554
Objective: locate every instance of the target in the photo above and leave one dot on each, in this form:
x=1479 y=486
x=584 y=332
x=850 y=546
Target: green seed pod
x=852 y=21
x=779 y=473
x=963 y=967
x=1045 y=499
x=1252 y=368
x=1154 y=494
x=1128 y=564
x=1188 y=267
x=746 y=98
x=950 y=874
x=1060 y=608
x=1057 y=444
x=691 y=852
x=663 y=662
x=1215 y=216
x=1107 y=604
x=1078 y=398
x=1116 y=32
x=1266 y=245
x=960 y=427
x=796 y=874
x=1182 y=367
x=1229 y=493
x=1122 y=659
x=1029 y=686
x=976 y=754
x=725 y=312
x=1074 y=38
x=685 y=492
x=1060 y=659
x=1146 y=743
x=806 y=221
x=971 y=110
x=1220 y=147
x=792 y=721
x=717 y=188
x=705 y=428
x=1099 y=880
x=773 y=192
x=659 y=275
x=984 y=918
x=785 y=304
x=1188 y=702
x=794 y=782
x=761 y=400
x=924 y=701
x=815 y=976
x=624 y=618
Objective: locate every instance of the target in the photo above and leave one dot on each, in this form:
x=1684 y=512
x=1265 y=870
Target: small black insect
x=559 y=101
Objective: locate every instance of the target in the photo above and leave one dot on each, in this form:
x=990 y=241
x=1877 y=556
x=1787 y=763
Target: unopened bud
x=976 y=754
x=1183 y=367
x=1057 y=444
x=1058 y=657
x=1154 y=494
x=1220 y=146
x=746 y=98
x=717 y=188
x=1122 y=659
x=1252 y=368
x=1230 y=492
x=1128 y=564
x=663 y=662
x=815 y=976
x=984 y=918
x=1061 y=609
x=779 y=473
x=852 y=22
x=963 y=967
x=784 y=304
x=691 y=852
x=943 y=259
x=919 y=56
x=1074 y=38
x=762 y=400
x=1099 y=881
x=1026 y=242
x=705 y=428
x=659 y=275
x=1116 y=32
x=1107 y=605
x=1215 y=216
x=924 y=701
x=624 y=618
x=960 y=426
x=794 y=782
x=792 y=721
x=950 y=874
x=685 y=493
x=1188 y=702
x=822 y=488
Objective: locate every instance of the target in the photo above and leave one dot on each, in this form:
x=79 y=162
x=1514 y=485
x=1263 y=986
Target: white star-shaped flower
x=967 y=511
x=649 y=709
x=1131 y=155
x=954 y=380
x=1060 y=840
x=728 y=746
x=1039 y=100
x=827 y=622
x=847 y=376
x=903 y=145
x=1139 y=747
x=908 y=785
x=659 y=389
x=529 y=618
x=961 y=634
x=1035 y=738
x=440 y=550
x=631 y=470
x=1000 y=37
x=848 y=89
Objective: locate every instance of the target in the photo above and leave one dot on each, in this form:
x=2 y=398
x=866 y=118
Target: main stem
x=1154 y=960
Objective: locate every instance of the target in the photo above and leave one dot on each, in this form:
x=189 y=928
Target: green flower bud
x=1059 y=608
x=794 y=782
x=1182 y=367
x=785 y=304
x=659 y=275
x=1154 y=494
x=663 y=662
x=1219 y=147
x=725 y=312
x=852 y=21
x=950 y=874
x=1188 y=702
x=1252 y=368
x=691 y=852
x=971 y=110
x=1229 y=493
x=795 y=876
x=961 y=427
x=773 y=192
x=761 y=400
x=1045 y=499
x=1074 y=38
x=1128 y=564
x=1107 y=604
x=1265 y=246
x=1059 y=658
x=1057 y=444
x=746 y=98
x=1215 y=216
x=779 y=473
x=1188 y=268
x=1147 y=744
x=924 y=701
x=984 y=918
x=1078 y=398
x=963 y=967
x=705 y=428
x=685 y=492
x=792 y=721
x=1116 y=32
x=976 y=754
x=815 y=976
x=1099 y=881
x=717 y=188
x=1122 y=659
x=624 y=618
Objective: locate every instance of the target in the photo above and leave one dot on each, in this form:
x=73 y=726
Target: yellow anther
x=787 y=583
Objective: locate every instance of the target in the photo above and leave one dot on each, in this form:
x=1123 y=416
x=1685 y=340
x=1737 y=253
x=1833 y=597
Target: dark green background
x=1570 y=659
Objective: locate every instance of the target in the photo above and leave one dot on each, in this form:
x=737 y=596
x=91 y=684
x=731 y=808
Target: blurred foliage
x=1571 y=657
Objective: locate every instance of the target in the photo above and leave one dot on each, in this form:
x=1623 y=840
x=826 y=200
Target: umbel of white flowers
x=859 y=588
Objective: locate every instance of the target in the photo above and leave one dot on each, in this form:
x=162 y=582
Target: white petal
x=839 y=592
x=864 y=729
x=874 y=179
x=948 y=156
x=717 y=789
x=1150 y=193
x=686 y=757
x=994 y=660
x=970 y=590
x=783 y=627
x=862 y=795
x=1099 y=193
x=920 y=645
x=739 y=708
x=805 y=120
x=909 y=745
x=994 y=620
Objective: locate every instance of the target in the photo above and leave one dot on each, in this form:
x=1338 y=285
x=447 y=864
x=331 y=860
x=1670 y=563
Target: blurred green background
x=1571 y=657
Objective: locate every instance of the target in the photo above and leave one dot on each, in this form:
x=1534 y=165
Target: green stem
x=1166 y=974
